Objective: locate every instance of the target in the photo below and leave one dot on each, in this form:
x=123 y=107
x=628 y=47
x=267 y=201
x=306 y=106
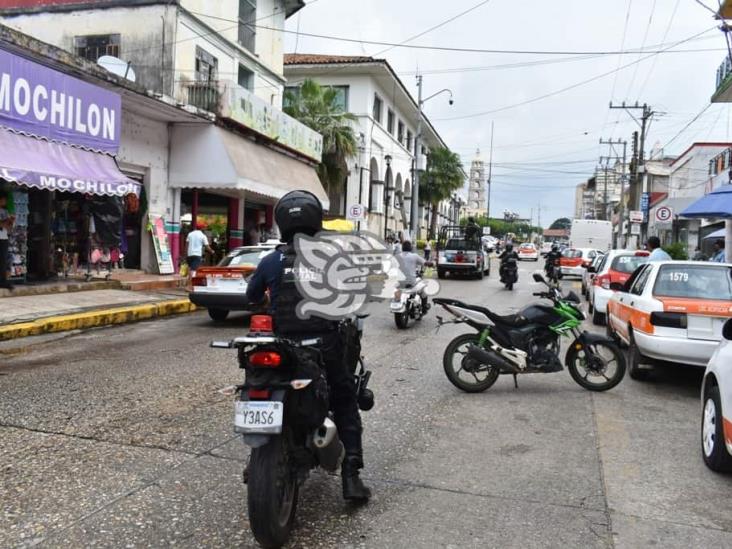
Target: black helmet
x=406 y=246
x=509 y=247
x=298 y=212
x=555 y=247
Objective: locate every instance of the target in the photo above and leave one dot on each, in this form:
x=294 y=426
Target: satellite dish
x=117 y=66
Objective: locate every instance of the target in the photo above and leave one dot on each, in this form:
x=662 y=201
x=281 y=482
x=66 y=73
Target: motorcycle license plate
x=254 y=416
x=396 y=305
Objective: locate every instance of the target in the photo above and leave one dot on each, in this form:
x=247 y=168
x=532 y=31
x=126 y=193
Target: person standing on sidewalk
x=6 y=226
x=657 y=253
x=197 y=241
x=427 y=250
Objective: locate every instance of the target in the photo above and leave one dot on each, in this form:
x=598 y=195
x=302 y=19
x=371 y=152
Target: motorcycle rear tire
x=272 y=493
x=509 y=286
x=401 y=320
x=452 y=347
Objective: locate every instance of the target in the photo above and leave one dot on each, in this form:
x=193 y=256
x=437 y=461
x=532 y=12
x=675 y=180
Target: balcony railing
x=204 y=95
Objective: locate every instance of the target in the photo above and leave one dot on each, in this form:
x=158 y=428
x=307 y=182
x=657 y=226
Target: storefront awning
x=208 y=157
x=717 y=203
x=42 y=164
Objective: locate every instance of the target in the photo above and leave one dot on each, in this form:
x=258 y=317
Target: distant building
x=477 y=203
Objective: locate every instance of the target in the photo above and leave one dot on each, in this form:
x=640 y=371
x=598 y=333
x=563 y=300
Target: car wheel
x=714 y=450
x=218 y=315
x=635 y=359
x=598 y=318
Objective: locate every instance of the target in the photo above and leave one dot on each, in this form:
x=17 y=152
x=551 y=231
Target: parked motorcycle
x=282 y=412
x=509 y=272
x=407 y=304
x=527 y=343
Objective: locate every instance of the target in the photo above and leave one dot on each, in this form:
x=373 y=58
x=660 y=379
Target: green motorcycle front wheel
x=597 y=366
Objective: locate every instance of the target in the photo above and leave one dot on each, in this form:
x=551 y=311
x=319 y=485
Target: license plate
x=226 y=283
x=258 y=417
x=396 y=304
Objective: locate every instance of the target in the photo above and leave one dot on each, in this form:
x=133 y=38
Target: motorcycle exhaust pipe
x=328 y=447
x=491 y=358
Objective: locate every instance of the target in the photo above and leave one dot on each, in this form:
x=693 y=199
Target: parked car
x=528 y=251
x=223 y=288
x=716 y=397
x=574 y=261
x=672 y=311
x=615 y=267
x=589 y=275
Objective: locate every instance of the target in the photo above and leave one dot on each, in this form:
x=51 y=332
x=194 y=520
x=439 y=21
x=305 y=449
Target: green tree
x=562 y=223
x=500 y=228
x=443 y=177
x=318 y=108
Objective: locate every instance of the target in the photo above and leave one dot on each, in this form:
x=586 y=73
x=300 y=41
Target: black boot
x=353 y=487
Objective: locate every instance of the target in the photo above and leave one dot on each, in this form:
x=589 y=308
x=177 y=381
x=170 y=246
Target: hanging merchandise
x=18 y=238
x=107 y=212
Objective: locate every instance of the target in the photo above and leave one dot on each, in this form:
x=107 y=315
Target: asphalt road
x=118 y=438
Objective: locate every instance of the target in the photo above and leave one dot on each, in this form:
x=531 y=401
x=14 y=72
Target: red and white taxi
x=615 y=268
x=223 y=288
x=672 y=311
x=574 y=261
x=716 y=424
x=527 y=251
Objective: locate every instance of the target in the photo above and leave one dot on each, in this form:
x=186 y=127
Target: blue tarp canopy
x=717 y=203
x=716 y=234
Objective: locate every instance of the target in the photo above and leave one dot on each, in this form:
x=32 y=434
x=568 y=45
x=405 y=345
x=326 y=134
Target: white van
x=591 y=233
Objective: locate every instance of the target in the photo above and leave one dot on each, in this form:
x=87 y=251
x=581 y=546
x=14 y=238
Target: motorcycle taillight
x=259 y=394
x=265 y=359
x=260 y=324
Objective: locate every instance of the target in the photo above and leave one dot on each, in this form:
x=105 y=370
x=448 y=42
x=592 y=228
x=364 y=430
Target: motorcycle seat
x=513 y=321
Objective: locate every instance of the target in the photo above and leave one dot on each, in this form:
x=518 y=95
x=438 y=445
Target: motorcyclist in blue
x=302 y=212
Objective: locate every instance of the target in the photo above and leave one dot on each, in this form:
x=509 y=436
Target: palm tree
x=318 y=108
x=444 y=176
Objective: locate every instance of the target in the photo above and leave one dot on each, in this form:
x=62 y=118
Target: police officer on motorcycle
x=552 y=261
x=301 y=212
x=508 y=253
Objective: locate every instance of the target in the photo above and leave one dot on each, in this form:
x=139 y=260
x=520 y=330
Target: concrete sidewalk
x=41 y=314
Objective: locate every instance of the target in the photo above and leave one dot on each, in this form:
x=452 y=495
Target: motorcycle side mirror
x=539 y=278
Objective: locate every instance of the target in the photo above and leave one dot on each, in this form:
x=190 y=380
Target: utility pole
x=414 y=222
x=639 y=186
x=621 y=205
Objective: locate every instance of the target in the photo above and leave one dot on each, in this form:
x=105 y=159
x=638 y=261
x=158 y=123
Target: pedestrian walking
x=197 y=242
x=6 y=226
x=657 y=253
x=427 y=250
x=719 y=255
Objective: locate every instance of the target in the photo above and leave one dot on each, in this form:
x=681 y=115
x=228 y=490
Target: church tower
x=477 y=205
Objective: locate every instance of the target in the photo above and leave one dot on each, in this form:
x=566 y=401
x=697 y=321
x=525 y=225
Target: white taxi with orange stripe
x=671 y=311
x=716 y=424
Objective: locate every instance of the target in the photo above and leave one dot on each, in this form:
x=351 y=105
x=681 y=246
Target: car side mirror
x=727 y=330
x=539 y=278
x=591 y=269
x=617 y=287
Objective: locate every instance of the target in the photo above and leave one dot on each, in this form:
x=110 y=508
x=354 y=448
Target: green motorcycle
x=528 y=343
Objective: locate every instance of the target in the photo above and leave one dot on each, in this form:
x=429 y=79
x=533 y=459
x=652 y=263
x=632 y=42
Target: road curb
x=97 y=318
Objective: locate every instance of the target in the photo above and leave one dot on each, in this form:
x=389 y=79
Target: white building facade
x=381 y=175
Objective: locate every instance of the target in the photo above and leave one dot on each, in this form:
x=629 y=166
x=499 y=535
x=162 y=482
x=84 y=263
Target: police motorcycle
x=281 y=410
x=407 y=303
x=527 y=343
x=509 y=272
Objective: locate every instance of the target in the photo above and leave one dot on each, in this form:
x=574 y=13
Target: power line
x=645 y=37
x=682 y=130
x=632 y=51
x=655 y=59
x=567 y=88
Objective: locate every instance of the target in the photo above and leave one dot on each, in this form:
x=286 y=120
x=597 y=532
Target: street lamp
x=415 y=223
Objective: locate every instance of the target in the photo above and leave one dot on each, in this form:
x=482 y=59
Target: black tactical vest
x=286 y=321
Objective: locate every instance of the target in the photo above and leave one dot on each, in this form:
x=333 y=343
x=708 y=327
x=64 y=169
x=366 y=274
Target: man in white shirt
x=6 y=225
x=657 y=253
x=197 y=241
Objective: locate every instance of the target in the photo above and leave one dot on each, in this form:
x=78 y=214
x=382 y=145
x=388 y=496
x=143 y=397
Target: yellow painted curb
x=94 y=319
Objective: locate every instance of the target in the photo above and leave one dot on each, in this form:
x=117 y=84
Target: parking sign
x=356 y=212
x=664 y=214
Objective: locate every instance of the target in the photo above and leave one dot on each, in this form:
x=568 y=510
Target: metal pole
x=621 y=206
x=415 y=221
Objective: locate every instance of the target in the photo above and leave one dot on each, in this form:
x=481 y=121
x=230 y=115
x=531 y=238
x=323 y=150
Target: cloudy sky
x=543 y=147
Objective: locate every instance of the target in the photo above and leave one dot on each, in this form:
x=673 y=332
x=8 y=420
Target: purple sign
x=48 y=103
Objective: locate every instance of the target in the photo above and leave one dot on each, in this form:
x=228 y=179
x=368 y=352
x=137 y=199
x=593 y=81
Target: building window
x=245 y=78
x=94 y=46
x=390 y=121
x=409 y=140
x=400 y=132
x=378 y=108
x=341 y=97
x=247 y=23
x=206 y=66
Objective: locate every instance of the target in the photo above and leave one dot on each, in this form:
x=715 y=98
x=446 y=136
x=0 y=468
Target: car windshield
x=694 y=281
x=245 y=258
x=627 y=263
x=529 y=247
x=572 y=254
